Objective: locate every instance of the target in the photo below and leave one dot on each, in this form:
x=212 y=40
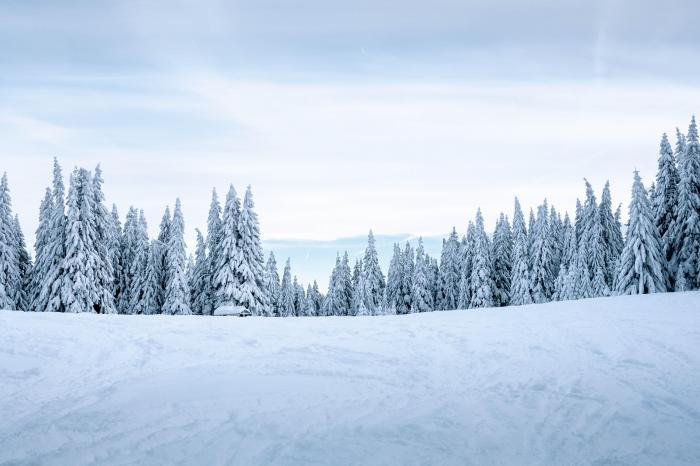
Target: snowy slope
x=604 y=381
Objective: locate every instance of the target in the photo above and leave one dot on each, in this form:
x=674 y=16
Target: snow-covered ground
x=604 y=381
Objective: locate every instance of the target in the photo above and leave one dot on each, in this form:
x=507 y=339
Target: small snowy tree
x=394 y=278
x=543 y=275
x=449 y=271
x=641 y=263
x=271 y=285
x=373 y=277
x=43 y=256
x=199 y=288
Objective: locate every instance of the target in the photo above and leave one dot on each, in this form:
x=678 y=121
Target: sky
x=399 y=116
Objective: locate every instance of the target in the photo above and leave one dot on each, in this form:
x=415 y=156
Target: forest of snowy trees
x=86 y=261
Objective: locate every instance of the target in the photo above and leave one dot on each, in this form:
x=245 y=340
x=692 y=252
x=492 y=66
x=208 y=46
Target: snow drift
x=601 y=381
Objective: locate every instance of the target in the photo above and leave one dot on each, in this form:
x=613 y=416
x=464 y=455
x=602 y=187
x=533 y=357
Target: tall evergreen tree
x=214 y=237
x=502 y=255
x=272 y=285
x=346 y=286
x=481 y=280
x=394 y=279
x=199 y=287
x=665 y=198
x=177 y=292
x=407 y=267
x=23 y=297
x=227 y=280
x=80 y=289
x=139 y=268
x=686 y=260
x=43 y=256
x=251 y=260
x=10 y=281
x=520 y=273
x=50 y=298
x=129 y=250
x=421 y=298
x=612 y=241
x=114 y=250
x=286 y=301
x=449 y=273
x=641 y=263
x=467 y=253
x=373 y=277
x=104 y=270
x=543 y=274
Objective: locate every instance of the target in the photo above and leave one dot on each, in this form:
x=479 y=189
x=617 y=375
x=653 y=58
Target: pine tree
x=23 y=298
x=50 y=299
x=227 y=279
x=543 y=275
x=272 y=285
x=467 y=253
x=298 y=297
x=579 y=282
x=408 y=266
x=421 y=299
x=177 y=293
x=139 y=267
x=286 y=301
x=481 y=280
x=316 y=298
x=43 y=254
x=214 y=237
x=79 y=291
x=153 y=296
x=433 y=279
x=104 y=269
x=373 y=277
x=10 y=277
x=686 y=260
x=114 y=242
x=346 y=286
x=129 y=250
x=449 y=273
x=199 y=287
x=641 y=263
x=394 y=279
x=520 y=272
x=665 y=198
x=611 y=236
x=502 y=254
x=568 y=259
x=251 y=260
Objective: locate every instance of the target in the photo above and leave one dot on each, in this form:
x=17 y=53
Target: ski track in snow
x=606 y=381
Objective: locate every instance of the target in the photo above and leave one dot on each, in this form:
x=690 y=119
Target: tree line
x=85 y=261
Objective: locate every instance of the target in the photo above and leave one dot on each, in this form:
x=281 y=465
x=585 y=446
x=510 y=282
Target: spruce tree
x=214 y=236
x=10 y=278
x=271 y=285
x=153 y=296
x=373 y=277
x=665 y=198
x=23 y=297
x=543 y=275
x=286 y=301
x=129 y=249
x=227 y=279
x=481 y=280
x=449 y=270
x=199 y=288
x=686 y=259
x=346 y=286
x=139 y=267
x=50 y=298
x=612 y=241
x=250 y=267
x=408 y=266
x=467 y=253
x=421 y=298
x=43 y=255
x=502 y=254
x=114 y=243
x=104 y=270
x=641 y=263
x=394 y=278
x=177 y=293
x=80 y=289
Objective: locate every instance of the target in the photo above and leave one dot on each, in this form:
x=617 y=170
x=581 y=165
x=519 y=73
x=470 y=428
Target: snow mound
x=601 y=381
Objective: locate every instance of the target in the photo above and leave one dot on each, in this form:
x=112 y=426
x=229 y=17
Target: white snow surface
x=603 y=381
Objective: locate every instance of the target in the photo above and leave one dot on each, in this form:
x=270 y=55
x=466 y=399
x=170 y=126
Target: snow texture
x=600 y=381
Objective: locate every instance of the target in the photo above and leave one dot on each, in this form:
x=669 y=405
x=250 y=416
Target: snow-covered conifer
x=177 y=292
x=520 y=274
x=286 y=301
x=407 y=266
x=686 y=258
x=104 y=269
x=543 y=274
x=421 y=298
x=199 y=286
x=50 y=299
x=373 y=277
x=481 y=279
x=450 y=258
x=611 y=236
x=502 y=255
x=227 y=279
x=271 y=285
x=42 y=253
x=641 y=263
x=250 y=267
